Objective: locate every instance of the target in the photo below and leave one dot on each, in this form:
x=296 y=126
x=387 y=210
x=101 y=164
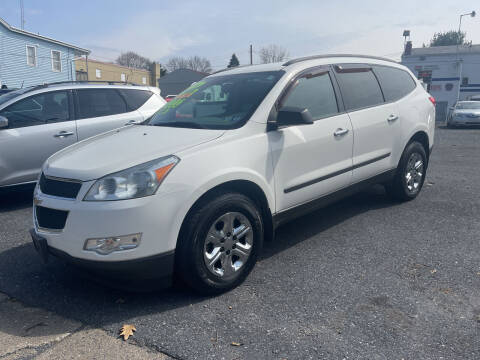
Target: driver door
x=311 y=161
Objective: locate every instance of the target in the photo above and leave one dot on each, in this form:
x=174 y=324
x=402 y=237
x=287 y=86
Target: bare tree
x=193 y=63
x=133 y=60
x=272 y=53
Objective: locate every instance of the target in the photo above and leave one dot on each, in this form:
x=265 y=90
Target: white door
x=310 y=161
x=373 y=120
x=99 y=110
x=39 y=126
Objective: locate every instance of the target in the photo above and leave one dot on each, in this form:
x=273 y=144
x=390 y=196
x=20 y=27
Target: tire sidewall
x=199 y=275
x=414 y=147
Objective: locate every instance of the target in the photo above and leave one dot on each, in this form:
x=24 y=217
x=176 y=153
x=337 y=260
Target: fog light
x=107 y=245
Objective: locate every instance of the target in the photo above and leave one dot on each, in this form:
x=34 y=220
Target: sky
x=160 y=29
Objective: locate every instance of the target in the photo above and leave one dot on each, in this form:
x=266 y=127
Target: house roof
x=445 y=50
x=28 y=33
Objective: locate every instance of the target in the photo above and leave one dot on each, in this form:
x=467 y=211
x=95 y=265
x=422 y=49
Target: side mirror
x=3 y=122
x=291 y=116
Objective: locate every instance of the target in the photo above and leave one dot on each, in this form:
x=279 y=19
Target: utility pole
x=251 y=54
x=459 y=62
x=22 y=15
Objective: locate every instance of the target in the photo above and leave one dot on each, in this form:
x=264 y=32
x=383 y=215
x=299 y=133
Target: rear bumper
x=159 y=267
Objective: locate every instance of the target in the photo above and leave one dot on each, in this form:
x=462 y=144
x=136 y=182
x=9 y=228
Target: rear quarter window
x=135 y=98
x=359 y=88
x=395 y=83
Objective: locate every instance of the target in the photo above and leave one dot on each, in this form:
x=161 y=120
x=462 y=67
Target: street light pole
x=472 y=14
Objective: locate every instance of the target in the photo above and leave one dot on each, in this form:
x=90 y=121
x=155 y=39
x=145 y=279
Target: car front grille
x=50 y=218
x=58 y=187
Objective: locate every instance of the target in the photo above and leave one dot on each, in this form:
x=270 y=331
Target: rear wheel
x=410 y=174
x=220 y=243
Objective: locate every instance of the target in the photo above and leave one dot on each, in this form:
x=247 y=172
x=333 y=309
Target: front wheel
x=220 y=243
x=410 y=174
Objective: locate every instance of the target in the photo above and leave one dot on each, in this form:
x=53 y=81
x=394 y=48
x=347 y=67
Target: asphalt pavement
x=365 y=278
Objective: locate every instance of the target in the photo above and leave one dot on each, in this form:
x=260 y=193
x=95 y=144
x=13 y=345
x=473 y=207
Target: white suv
x=197 y=189
x=38 y=121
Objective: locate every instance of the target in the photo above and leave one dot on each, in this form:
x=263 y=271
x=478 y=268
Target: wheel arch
x=422 y=137
x=245 y=187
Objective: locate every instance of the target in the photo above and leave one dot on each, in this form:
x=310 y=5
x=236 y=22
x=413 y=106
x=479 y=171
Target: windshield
x=10 y=95
x=219 y=102
x=468 y=105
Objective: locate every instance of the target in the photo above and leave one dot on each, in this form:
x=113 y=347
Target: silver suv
x=38 y=121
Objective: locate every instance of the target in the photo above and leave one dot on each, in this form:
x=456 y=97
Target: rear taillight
x=432 y=99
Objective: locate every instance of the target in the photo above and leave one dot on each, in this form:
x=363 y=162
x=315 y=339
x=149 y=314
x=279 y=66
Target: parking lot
x=363 y=278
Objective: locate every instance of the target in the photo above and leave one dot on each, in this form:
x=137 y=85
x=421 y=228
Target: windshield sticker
x=184 y=95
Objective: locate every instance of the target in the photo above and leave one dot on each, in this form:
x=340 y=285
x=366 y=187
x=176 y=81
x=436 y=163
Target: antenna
x=22 y=15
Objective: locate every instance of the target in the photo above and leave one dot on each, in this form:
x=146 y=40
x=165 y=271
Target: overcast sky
x=215 y=29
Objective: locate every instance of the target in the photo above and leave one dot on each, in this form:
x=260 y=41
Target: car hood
x=122 y=148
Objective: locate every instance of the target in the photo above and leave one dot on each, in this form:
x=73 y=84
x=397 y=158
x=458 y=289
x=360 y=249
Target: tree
x=451 y=37
x=133 y=60
x=195 y=63
x=233 y=61
x=272 y=53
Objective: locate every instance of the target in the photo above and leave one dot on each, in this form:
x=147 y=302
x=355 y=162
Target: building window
x=98 y=73
x=123 y=77
x=465 y=81
x=56 y=61
x=144 y=80
x=31 y=55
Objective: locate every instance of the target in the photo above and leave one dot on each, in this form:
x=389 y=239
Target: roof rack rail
x=314 y=57
x=109 y=82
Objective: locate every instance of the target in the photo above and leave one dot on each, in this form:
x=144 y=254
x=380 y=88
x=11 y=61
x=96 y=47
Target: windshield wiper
x=183 y=124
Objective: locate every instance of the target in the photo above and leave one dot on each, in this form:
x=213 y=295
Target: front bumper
x=464 y=121
x=159 y=267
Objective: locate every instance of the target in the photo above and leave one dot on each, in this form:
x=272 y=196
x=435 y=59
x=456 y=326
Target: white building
x=450 y=72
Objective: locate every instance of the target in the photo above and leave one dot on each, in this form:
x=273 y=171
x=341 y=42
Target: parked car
x=198 y=195
x=38 y=121
x=169 y=98
x=464 y=113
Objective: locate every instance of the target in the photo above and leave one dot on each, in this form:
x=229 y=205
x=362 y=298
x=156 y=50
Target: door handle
x=340 y=132
x=392 y=118
x=63 y=134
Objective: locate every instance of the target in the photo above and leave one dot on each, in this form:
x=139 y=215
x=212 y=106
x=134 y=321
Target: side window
x=135 y=98
x=314 y=93
x=99 y=102
x=395 y=83
x=44 y=108
x=359 y=88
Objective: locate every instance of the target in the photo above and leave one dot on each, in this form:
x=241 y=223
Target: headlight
x=138 y=181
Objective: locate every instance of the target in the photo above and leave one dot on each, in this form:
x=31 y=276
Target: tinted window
x=135 y=98
x=316 y=94
x=38 y=109
x=217 y=102
x=395 y=83
x=359 y=89
x=99 y=102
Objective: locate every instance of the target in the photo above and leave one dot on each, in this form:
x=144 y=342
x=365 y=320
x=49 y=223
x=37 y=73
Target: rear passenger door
x=99 y=110
x=374 y=121
x=311 y=161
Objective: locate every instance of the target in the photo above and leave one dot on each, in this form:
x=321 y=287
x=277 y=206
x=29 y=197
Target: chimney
x=408 y=48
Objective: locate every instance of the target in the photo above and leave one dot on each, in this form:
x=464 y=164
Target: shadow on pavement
x=67 y=291
x=16 y=198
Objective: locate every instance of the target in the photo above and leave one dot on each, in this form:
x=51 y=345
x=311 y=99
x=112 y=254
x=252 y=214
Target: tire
x=222 y=260
x=409 y=167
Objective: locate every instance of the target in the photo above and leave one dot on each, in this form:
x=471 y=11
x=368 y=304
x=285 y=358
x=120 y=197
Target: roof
x=299 y=62
x=28 y=33
x=445 y=50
